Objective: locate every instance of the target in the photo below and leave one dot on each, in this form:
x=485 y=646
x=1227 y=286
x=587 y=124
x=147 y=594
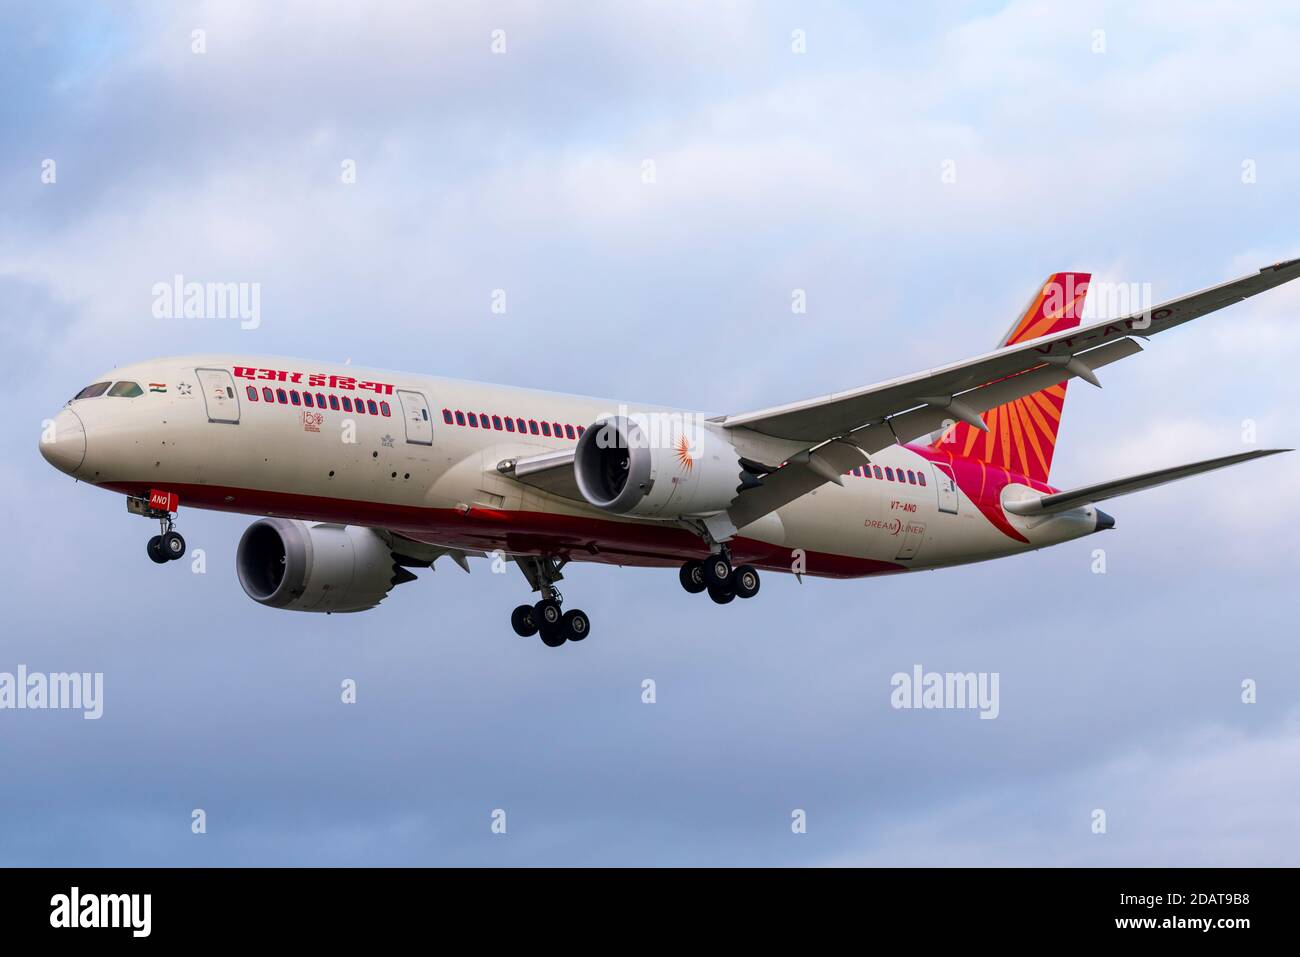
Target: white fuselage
x=197 y=430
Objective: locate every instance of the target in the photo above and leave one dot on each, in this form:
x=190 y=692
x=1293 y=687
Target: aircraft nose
x=63 y=442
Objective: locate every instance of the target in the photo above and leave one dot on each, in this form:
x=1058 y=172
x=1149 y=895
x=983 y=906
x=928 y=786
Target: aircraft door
x=947 y=486
x=415 y=410
x=913 y=539
x=219 y=396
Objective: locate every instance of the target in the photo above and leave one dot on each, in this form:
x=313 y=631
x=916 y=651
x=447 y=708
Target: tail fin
x=1021 y=435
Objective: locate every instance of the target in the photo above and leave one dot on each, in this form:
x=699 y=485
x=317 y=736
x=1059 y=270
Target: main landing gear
x=548 y=618
x=716 y=576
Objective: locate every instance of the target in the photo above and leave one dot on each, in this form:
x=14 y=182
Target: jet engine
x=300 y=567
x=657 y=468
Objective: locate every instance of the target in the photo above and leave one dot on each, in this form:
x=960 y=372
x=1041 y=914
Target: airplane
x=359 y=476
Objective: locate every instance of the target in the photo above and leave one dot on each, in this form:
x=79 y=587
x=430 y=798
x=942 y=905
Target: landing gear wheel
x=721 y=595
x=575 y=625
x=155 y=550
x=744 y=581
x=692 y=577
x=172 y=545
x=717 y=572
x=547 y=615
x=521 y=620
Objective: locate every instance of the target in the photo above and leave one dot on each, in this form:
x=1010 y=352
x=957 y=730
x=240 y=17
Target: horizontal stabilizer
x=1064 y=501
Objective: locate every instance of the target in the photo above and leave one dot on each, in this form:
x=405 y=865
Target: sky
x=916 y=172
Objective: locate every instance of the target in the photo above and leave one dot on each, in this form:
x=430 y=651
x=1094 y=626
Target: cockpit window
x=92 y=391
x=126 y=390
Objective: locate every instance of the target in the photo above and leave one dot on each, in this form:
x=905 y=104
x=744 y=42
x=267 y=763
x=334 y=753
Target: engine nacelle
x=300 y=567
x=681 y=473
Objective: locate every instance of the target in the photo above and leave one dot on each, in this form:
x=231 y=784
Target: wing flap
x=808 y=470
x=922 y=421
x=801 y=475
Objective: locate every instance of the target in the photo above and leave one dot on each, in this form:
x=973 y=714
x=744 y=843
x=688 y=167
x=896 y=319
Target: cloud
x=1216 y=797
x=775 y=171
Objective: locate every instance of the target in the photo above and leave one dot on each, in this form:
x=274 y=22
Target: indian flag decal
x=157 y=387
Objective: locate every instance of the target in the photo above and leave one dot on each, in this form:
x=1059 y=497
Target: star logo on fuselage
x=388 y=441
x=183 y=388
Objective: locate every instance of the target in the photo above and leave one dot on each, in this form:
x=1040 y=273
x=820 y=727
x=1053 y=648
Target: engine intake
x=325 y=568
x=661 y=469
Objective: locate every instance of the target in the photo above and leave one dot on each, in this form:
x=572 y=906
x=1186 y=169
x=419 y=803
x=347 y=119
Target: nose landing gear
x=168 y=545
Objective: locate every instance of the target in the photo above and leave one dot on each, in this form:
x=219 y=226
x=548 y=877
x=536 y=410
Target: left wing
x=836 y=432
x=816 y=420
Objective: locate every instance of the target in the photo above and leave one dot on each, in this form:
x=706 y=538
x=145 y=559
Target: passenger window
x=386 y=409
x=460 y=417
x=347 y=404
x=129 y=390
x=293 y=397
x=522 y=427
x=281 y=397
x=889 y=473
x=876 y=469
x=532 y=426
x=920 y=478
x=334 y=402
x=266 y=394
x=546 y=428
x=483 y=422
x=320 y=400
x=580 y=431
x=307 y=400
x=361 y=407
x=510 y=424
x=252 y=394
x=373 y=407
x=473 y=421
x=446 y=416
x=93 y=391
x=568 y=431
x=911 y=477
x=496 y=422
